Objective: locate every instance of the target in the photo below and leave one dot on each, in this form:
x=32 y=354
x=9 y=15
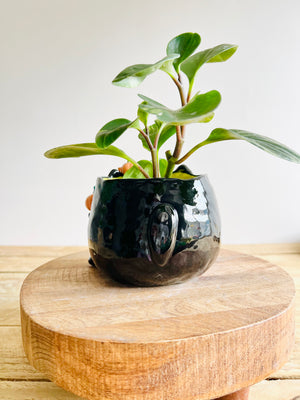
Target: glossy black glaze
x=91 y=262
x=150 y=232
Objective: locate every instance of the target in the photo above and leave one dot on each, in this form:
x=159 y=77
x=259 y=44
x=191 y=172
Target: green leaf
x=168 y=68
x=87 y=149
x=135 y=173
x=84 y=149
x=181 y=175
x=216 y=54
x=163 y=164
x=184 y=45
x=111 y=131
x=199 y=109
x=143 y=116
x=264 y=143
x=166 y=133
x=135 y=74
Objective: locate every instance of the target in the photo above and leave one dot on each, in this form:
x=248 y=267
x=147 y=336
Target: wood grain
x=10 y=285
x=33 y=391
x=21 y=264
x=291 y=264
x=202 y=339
x=265 y=248
x=242 y=394
x=20 y=381
x=13 y=362
x=38 y=251
x=276 y=390
x=266 y=390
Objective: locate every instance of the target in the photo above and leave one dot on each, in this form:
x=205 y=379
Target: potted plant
x=155 y=222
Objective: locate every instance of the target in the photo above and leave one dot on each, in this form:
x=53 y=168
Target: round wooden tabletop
x=202 y=339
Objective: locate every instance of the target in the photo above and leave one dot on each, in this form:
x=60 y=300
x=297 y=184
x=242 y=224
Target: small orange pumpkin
x=88 y=202
x=125 y=167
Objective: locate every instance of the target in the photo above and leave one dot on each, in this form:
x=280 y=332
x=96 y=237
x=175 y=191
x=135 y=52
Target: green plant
x=199 y=108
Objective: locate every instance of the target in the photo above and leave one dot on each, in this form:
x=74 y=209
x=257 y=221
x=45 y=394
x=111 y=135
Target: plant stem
x=154 y=154
x=146 y=175
x=146 y=137
x=170 y=167
x=179 y=142
x=190 y=91
x=155 y=164
x=178 y=147
x=180 y=131
x=142 y=171
x=158 y=135
x=180 y=89
x=189 y=95
x=189 y=153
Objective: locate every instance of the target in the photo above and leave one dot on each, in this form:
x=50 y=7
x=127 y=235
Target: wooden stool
x=211 y=336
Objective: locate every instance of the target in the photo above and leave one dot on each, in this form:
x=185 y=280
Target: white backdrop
x=58 y=58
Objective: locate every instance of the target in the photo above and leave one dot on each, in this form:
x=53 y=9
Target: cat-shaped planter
x=151 y=232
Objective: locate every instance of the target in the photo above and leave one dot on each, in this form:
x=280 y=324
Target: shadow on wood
x=239 y=395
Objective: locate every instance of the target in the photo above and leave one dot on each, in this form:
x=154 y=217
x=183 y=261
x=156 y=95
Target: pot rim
x=154 y=180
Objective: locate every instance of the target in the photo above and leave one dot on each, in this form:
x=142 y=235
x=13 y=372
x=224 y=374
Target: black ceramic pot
x=151 y=232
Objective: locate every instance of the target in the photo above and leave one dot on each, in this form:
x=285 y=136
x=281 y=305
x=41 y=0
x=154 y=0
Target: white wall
x=58 y=58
